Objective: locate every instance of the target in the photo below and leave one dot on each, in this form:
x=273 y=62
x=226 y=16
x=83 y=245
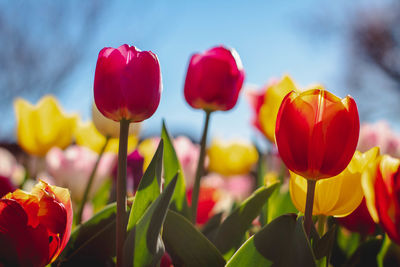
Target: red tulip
x=214 y=79
x=359 y=220
x=34 y=227
x=127 y=83
x=383 y=190
x=166 y=260
x=208 y=198
x=317 y=133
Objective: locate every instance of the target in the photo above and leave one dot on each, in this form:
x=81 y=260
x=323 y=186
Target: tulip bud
x=317 y=133
x=214 y=79
x=127 y=83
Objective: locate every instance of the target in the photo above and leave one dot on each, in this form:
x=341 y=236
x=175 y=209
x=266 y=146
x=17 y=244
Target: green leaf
x=143 y=247
x=283 y=242
x=322 y=247
x=230 y=234
x=347 y=242
x=149 y=187
x=93 y=242
x=279 y=203
x=366 y=254
x=187 y=245
x=211 y=227
x=102 y=195
x=171 y=167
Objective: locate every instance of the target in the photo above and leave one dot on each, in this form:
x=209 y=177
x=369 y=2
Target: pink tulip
x=214 y=79
x=239 y=187
x=379 y=134
x=71 y=168
x=127 y=83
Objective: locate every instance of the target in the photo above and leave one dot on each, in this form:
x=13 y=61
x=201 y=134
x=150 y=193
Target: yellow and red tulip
x=317 y=133
x=266 y=103
x=43 y=126
x=34 y=227
x=339 y=195
x=382 y=190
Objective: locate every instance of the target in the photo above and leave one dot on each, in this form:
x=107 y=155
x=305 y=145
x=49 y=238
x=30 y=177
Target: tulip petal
x=293 y=119
x=43 y=126
x=21 y=244
x=273 y=98
x=298 y=192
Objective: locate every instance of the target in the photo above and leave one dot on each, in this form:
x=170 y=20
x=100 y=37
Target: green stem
x=121 y=190
x=90 y=182
x=384 y=249
x=321 y=224
x=309 y=205
x=200 y=168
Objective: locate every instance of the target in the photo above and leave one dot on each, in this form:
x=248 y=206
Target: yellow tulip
x=231 y=158
x=272 y=99
x=147 y=148
x=339 y=195
x=108 y=127
x=87 y=135
x=271 y=178
x=43 y=126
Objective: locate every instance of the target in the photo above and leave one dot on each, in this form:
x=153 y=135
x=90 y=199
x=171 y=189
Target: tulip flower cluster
x=95 y=193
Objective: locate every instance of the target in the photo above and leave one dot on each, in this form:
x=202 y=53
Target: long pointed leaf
x=142 y=246
x=93 y=242
x=187 y=245
x=282 y=242
x=230 y=234
x=171 y=167
x=149 y=187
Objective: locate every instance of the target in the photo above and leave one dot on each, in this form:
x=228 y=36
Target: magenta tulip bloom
x=214 y=79
x=127 y=83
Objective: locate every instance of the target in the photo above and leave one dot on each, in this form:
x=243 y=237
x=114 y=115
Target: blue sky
x=267 y=34
x=273 y=38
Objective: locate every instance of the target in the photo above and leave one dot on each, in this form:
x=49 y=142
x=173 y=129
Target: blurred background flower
x=87 y=135
x=10 y=168
x=379 y=134
x=359 y=220
x=109 y=127
x=134 y=172
x=43 y=126
x=71 y=169
x=231 y=157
